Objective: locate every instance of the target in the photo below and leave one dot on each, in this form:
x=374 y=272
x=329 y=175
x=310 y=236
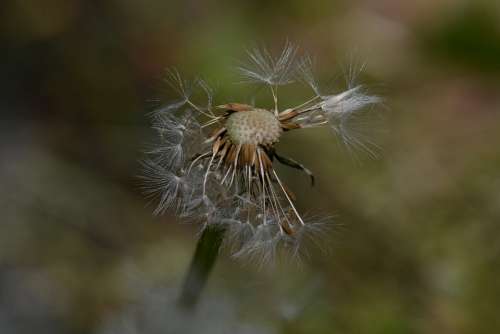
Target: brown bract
x=243 y=144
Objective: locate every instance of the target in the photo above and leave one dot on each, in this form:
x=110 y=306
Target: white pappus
x=215 y=163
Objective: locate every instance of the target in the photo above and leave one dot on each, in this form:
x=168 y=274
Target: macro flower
x=216 y=163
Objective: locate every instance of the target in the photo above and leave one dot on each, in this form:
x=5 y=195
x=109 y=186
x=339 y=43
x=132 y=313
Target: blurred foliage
x=416 y=249
x=471 y=38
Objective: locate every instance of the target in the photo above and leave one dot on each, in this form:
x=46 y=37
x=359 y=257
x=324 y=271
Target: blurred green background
x=417 y=249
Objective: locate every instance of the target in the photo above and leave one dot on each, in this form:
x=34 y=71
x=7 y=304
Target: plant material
x=216 y=163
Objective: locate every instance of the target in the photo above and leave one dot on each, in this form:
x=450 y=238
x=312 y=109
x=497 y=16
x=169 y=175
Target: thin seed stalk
x=202 y=264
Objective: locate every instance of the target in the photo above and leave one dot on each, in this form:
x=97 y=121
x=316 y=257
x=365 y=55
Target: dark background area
x=417 y=248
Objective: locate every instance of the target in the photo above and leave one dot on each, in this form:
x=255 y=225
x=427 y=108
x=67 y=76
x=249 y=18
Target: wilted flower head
x=216 y=163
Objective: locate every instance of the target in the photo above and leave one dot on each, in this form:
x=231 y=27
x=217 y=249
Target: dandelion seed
x=217 y=164
x=264 y=68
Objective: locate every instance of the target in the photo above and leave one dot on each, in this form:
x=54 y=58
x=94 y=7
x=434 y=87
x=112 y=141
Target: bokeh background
x=417 y=245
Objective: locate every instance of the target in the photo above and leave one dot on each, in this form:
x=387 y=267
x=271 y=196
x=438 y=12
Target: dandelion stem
x=202 y=264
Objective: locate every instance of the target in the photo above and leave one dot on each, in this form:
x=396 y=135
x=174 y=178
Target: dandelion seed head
x=216 y=165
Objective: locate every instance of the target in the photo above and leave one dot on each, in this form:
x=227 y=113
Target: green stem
x=202 y=264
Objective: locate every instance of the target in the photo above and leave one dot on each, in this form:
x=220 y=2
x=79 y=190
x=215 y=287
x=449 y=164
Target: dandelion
x=217 y=163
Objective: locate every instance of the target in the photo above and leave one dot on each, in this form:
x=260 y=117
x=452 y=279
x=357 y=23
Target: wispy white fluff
x=260 y=217
x=262 y=67
x=162 y=185
x=306 y=75
x=347 y=114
